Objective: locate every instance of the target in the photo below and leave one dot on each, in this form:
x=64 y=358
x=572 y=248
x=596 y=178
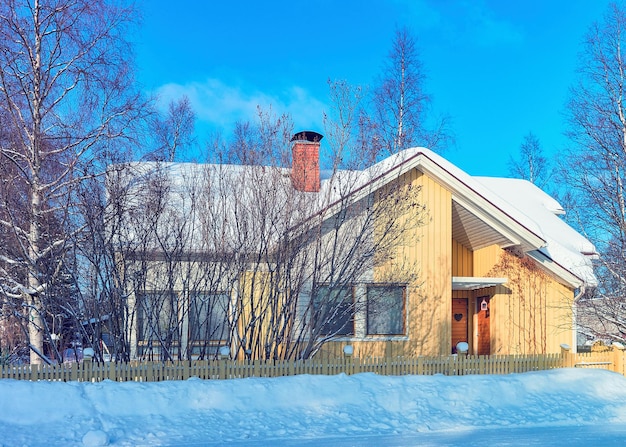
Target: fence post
x=74 y=371
x=85 y=370
x=87 y=365
x=618 y=358
x=566 y=356
x=348 y=352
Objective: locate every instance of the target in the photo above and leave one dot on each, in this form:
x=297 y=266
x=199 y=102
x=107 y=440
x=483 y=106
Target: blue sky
x=499 y=69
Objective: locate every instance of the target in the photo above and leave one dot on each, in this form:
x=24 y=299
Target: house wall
x=462 y=260
x=427 y=251
x=463 y=265
x=182 y=278
x=531 y=313
x=430 y=307
x=254 y=309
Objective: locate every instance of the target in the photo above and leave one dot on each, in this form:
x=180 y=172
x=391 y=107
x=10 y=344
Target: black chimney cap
x=307 y=135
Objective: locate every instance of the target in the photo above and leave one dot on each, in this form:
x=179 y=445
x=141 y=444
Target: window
x=157 y=317
x=333 y=309
x=208 y=318
x=385 y=310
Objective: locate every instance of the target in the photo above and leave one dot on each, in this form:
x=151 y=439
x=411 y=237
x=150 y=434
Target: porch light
x=484 y=305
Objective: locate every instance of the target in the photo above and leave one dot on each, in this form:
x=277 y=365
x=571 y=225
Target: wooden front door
x=459 y=321
x=483 y=342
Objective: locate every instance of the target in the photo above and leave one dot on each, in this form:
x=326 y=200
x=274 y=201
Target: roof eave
x=565 y=276
x=467 y=195
x=475 y=202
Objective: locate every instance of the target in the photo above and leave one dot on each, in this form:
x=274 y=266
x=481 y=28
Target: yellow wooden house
x=499 y=270
x=488 y=266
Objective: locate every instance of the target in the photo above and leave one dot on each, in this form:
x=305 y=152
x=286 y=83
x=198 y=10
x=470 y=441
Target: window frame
x=173 y=303
x=224 y=332
x=370 y=313
x=348 y=329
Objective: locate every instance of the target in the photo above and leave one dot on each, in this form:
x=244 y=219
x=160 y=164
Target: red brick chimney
x=305 y=166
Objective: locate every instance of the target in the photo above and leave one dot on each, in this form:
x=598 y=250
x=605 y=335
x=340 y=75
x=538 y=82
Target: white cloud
x=218 y=104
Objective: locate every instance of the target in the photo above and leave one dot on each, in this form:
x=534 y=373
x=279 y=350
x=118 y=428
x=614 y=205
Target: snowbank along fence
x=146 y=371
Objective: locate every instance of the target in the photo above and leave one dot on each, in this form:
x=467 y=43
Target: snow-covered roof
x=515 y=208
x=564 y=245
x=203 y=208
x=517 y=211
x=507 y=212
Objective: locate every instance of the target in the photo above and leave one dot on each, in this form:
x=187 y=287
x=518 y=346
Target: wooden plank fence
x=145 y=371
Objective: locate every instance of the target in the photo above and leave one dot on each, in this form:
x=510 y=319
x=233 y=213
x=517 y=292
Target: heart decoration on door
x=458 y=317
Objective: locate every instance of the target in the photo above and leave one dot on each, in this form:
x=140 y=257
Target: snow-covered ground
x=567 y=406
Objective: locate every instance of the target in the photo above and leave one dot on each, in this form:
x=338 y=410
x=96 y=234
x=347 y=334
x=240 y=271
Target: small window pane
x=334 y=310
x=385 y=310
x=157 y=316
x=208 y=319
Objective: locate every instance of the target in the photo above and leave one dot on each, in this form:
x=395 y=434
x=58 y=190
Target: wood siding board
x=531 y=313
x=429 y=250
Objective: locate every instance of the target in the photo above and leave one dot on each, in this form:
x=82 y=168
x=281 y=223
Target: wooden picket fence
x=144 y=371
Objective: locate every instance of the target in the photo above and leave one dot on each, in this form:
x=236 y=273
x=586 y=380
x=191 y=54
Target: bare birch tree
x=532 y=165
x=401 y=105
x=173 y=131
x=594 y=170
x=66 y=93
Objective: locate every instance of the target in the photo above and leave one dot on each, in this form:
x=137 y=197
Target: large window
x=157 y=317
x=333 y=310
x=208 y=318
x=385 y=310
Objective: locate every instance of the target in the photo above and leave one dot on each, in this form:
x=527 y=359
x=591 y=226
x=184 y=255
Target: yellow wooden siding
x=430 y=304
x=485 y=259
x=559 y=317
x=427 y=250
x=531 y=313
x=462 y=260
x=255 y=307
